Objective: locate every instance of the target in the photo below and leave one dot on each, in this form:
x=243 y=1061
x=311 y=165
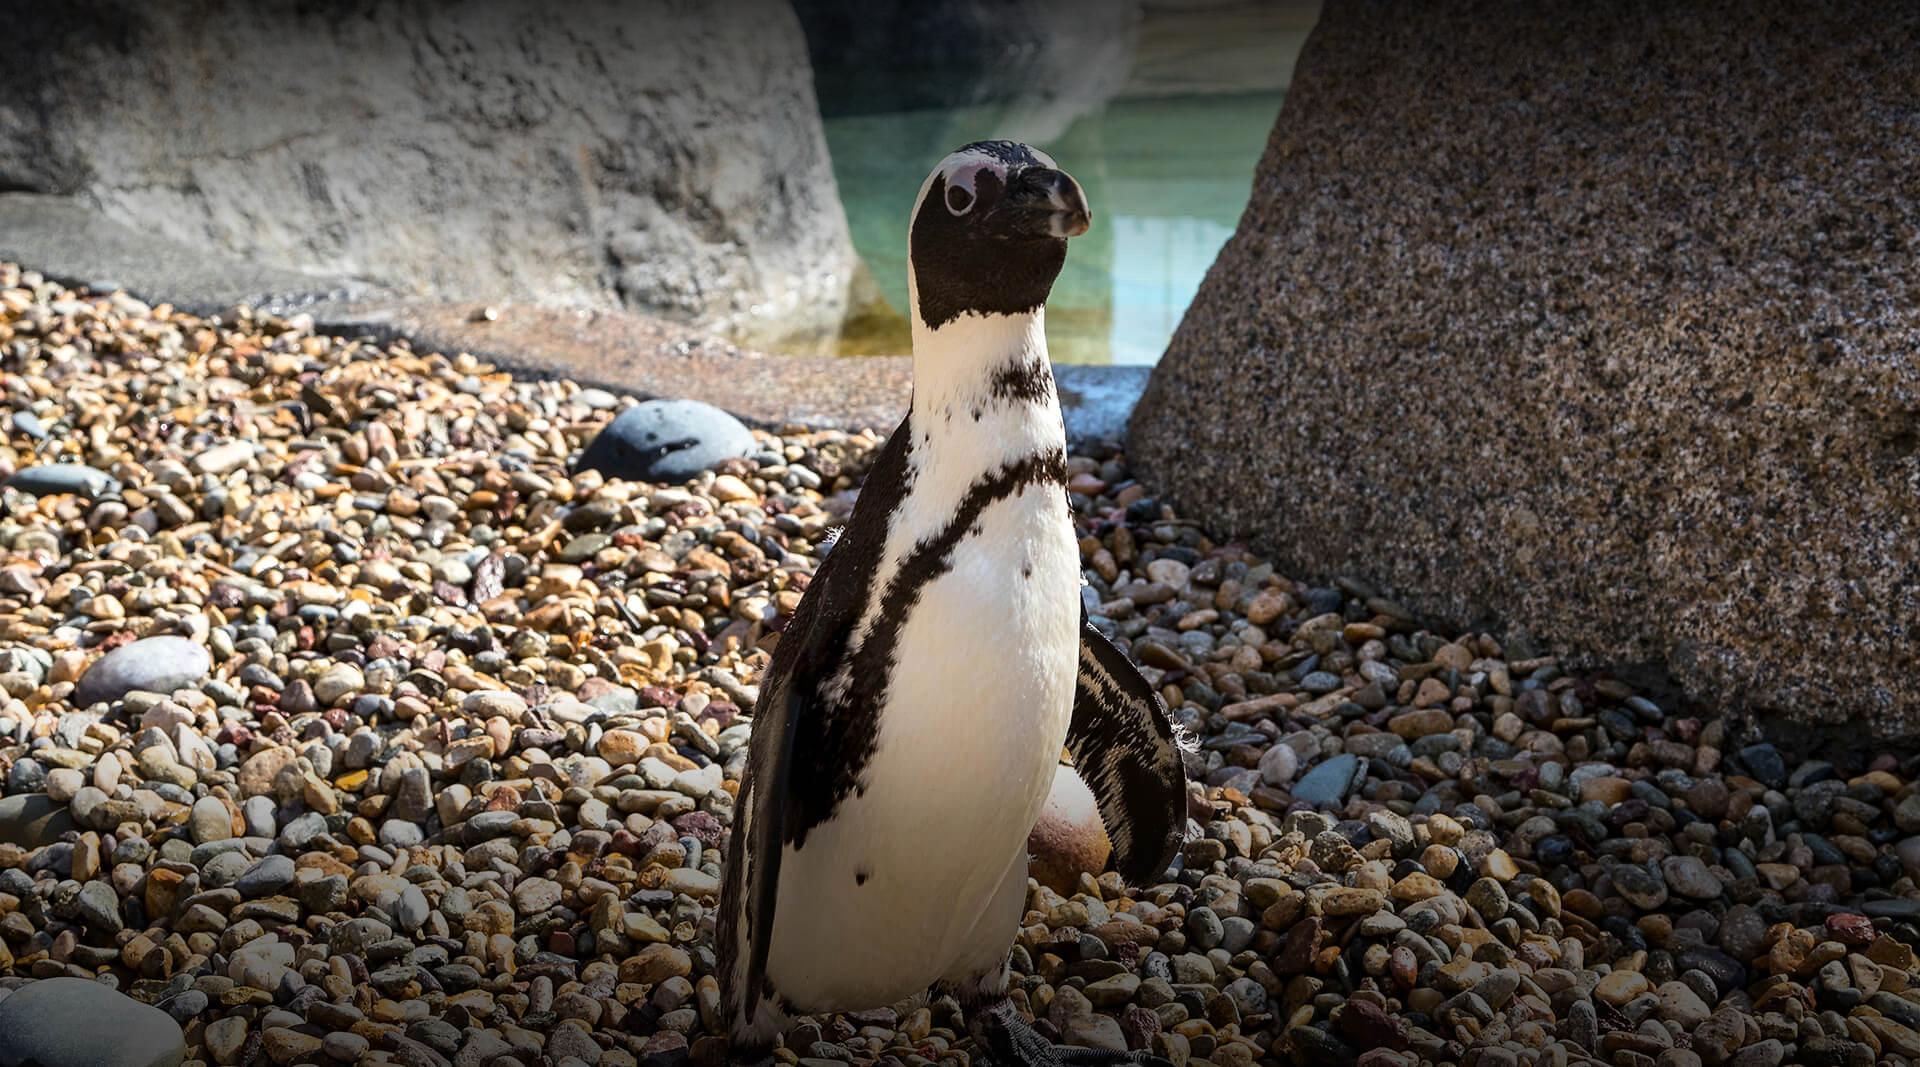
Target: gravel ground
x=343 y=724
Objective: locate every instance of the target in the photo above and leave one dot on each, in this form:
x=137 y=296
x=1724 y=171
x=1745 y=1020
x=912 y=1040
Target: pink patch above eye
x=962 y=189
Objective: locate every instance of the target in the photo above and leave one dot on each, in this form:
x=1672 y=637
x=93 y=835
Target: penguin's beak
x=1043 y=202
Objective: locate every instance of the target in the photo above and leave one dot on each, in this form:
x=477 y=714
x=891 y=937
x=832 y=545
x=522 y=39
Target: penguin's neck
x=983 y=390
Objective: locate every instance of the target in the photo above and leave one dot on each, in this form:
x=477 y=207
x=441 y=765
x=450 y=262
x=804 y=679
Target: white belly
x=976 y=715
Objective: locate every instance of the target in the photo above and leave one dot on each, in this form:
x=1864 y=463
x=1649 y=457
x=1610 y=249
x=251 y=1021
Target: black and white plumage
x=1127 y=750
x=910 y=722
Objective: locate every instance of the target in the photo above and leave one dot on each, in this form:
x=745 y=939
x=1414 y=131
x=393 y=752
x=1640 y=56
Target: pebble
x=1069 y=840
x=1279 y=764
x=72 y=1022
x=347 y=1047
x=1689 y=877
x=209 y=821
x=1619 y=987
x=1643 y=888
x=154 y=664
x=32 y=819
x=52 y=479
x=224 y=458
x=1680 y=1004
x=535 y=895
x=1328 y=784
x=1769 y=1053
x=225 y=1038
x=666 y=441
x=267 y=876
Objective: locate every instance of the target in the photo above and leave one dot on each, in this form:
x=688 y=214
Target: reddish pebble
x=1139 y=1025
x=1366 y=1024
x=1851 y=929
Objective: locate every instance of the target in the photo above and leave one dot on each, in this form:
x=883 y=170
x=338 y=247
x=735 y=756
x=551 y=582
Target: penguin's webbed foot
x=1009 y=1041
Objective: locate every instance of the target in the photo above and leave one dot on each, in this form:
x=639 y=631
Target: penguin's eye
x=962 y=187
x=959 y=201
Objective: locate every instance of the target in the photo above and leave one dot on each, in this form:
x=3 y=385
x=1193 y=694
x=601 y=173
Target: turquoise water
x=1167 y=161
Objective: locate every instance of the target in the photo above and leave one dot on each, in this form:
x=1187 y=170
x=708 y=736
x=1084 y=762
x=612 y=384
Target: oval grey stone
x=70 y=1022
x=666 y=441
x=267 y=875
x=32 y=819
x=1327 y=785
x=152 y=664
x=51 y=479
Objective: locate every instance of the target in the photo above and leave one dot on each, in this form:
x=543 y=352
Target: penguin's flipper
x=788 y=714
x=1127 y=749
x=793 y=724
x=768 y=834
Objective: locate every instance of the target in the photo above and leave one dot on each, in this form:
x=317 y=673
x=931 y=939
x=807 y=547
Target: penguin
x=917 y=704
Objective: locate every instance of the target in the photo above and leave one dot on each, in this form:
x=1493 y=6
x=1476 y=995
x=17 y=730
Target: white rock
x=209 y=821
x=260 y=963
x=1279 y=764
x=224 y=458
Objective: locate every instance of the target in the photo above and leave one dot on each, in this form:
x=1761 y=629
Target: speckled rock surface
x=488 y=153
x=1596 y=323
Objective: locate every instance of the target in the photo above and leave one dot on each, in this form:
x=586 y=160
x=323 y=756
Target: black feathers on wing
x=1127 y=750
x=795 y=726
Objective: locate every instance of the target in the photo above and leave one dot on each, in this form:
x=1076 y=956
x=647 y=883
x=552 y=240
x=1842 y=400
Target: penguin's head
x=989 y=231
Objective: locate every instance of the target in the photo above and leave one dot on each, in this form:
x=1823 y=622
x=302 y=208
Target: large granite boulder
x=663 y=156
x=1596 y=321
